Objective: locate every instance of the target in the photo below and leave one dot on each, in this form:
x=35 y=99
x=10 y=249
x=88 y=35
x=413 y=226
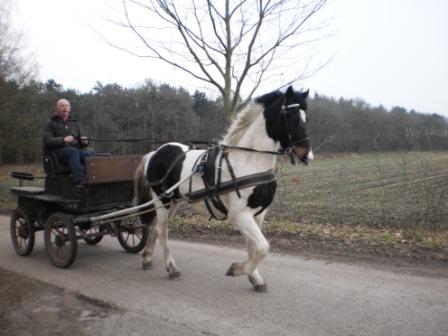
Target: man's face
x=63 y=109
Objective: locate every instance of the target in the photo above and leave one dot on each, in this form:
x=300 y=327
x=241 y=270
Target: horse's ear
x=290 y=91
x=305 y=94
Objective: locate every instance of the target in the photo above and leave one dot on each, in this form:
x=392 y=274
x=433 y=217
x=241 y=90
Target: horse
x=241 y=182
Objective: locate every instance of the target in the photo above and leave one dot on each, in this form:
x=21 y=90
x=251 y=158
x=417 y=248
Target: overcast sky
x=389 y=52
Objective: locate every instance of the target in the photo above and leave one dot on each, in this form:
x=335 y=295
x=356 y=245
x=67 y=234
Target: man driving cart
x=63 y=135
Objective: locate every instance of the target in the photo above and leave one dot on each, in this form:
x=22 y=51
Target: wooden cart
x=63 y=212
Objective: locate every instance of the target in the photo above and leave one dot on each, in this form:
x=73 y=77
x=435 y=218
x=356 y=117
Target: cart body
x=57 y=207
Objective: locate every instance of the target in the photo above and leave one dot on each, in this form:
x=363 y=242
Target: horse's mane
x=268 y=98
x=247 y=116
x=241 y=123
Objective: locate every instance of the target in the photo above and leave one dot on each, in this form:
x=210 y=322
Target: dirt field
x=380 y=190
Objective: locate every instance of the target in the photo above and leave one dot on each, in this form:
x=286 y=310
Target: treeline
x=348 y=125
x=162 y=112
x=150 y=112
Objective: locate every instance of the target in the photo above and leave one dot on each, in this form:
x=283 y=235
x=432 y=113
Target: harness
x=209 y=166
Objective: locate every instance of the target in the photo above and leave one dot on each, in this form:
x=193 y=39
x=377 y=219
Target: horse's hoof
x=175 y=276
x=232 y=270
x=147 y=265
x=261 y=288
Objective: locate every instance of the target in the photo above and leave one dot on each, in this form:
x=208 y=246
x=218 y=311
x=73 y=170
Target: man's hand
x=69 y=139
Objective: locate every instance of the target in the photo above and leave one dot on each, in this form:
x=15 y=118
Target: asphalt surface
x=306 y=297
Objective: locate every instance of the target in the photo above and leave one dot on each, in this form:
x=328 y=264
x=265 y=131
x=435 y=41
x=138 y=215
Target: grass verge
x=360 y=242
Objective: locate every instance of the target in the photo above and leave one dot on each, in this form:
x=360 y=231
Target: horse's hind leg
x=162 y=234
x=148 y=252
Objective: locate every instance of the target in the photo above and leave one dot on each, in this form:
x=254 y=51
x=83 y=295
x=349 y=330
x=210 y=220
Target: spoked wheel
x=95 y=235
x=132 y=235
x=60 y=240
x=22 y=232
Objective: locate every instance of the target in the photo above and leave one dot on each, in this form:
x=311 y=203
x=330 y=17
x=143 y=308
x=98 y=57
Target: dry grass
x=424 y=244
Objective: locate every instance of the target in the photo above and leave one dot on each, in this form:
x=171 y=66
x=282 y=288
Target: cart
x=65 y=212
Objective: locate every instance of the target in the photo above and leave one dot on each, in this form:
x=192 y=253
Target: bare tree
x=231 y=45
x=15 y=62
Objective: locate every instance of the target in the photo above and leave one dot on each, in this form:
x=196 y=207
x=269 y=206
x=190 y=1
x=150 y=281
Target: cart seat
x=52 y=166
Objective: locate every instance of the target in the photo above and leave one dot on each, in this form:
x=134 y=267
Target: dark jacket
x=56 y=130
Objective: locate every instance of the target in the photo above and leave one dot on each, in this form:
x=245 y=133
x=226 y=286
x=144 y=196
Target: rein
x=199 y=142
x=157 y=142
x=285 y=151
x=247 y=149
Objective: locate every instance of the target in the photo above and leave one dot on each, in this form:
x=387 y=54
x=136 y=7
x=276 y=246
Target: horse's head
x=285 y=115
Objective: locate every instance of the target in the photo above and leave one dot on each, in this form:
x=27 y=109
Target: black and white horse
x=274 y=124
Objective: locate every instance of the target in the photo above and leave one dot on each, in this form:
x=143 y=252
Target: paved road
x=307 y=297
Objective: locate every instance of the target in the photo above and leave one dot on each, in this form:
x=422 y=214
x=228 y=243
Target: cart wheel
x=132 y=235
x=96 y=237
x=60 y=240
x=22 y=232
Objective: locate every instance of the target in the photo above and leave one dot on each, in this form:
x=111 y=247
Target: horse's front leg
x=255 y=278
x=257 y=246
x=162 y=234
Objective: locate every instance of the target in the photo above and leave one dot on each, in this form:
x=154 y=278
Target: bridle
x=284 y=112
x=289 y=150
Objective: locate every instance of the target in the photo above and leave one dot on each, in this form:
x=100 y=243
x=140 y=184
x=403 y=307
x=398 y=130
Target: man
x=63 y=135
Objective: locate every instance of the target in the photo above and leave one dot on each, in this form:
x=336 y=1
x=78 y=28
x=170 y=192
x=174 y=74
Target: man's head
x=63 y=109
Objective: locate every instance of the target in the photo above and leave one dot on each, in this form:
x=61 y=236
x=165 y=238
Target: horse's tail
x=142 y=190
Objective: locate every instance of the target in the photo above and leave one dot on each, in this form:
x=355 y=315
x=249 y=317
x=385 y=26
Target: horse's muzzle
x=304 y=154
